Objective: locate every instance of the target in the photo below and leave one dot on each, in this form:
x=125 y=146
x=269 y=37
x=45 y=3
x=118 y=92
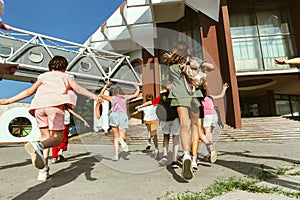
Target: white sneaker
x=115 y=158
x=194 y=165
x=54 y=160
x=163 y=161
x=36 y=153
x=123 y=144
x=43 y=174
x=187 y=172
x=60 y=156
x=213 y=154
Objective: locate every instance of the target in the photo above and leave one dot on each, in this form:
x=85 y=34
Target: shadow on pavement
x=62 y=177
x=176 y=176
x=27 y=162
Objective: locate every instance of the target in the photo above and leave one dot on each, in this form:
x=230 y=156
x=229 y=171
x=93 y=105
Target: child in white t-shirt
x=151 y=122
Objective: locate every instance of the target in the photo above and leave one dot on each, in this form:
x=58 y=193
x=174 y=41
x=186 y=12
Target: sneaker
x=54 y=160
x=194 y=165
x=174 y=165
x=148 y=147
x=187 y=172
x=213 y=154
x=123 y=144
x=60 y=157
x=36 y=153
x=43 y=174
x=163 y=161
x=115 y=158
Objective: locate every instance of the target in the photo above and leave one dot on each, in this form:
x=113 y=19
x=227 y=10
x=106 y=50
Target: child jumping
x=53 y=89
x=118 y=118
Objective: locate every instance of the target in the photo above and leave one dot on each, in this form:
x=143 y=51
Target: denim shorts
x=118 y=119
x=210 y=120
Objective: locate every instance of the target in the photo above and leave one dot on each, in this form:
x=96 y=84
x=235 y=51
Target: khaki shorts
x=170 y=127
x=190 y=102
x=151 y=125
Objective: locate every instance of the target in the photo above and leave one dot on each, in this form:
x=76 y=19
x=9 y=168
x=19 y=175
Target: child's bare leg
x=155 y=141
x=175 y=146
x=166 y=144
x=54 y=139
x=116 y=141
x=45 y=133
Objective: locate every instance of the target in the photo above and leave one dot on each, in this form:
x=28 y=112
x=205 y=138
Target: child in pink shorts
x=53 y=89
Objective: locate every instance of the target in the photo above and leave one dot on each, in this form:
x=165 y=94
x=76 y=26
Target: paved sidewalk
x=88 y=172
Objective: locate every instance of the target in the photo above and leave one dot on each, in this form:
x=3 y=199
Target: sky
x=70 y=20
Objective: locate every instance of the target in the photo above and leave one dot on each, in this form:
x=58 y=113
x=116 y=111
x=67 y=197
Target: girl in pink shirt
x=118 y=118
x=210 y=121
x=53 y=89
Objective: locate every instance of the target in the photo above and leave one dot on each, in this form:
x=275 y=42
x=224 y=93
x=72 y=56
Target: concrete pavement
x=88 y=172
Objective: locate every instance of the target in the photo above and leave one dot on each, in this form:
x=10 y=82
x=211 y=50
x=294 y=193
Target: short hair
x=59 y=63
x=117 y=90
x=149 y=97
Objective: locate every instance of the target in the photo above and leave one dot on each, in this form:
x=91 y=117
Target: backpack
x=164 y=110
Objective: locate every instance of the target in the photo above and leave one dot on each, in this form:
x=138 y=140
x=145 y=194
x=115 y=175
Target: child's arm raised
x=222 y=94
x=22 y=95
x=81 y=90
x=102 y=95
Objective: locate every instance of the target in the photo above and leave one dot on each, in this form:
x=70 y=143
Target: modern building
x=242 y=38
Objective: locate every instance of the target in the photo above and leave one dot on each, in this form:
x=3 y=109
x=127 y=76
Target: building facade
x=241 y=38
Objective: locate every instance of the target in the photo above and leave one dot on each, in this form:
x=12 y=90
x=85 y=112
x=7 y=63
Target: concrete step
x=254 y=129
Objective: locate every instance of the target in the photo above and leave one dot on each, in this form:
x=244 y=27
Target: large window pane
x=271 y=22
x=274 y=47
x=247 y=54
x=243 y=24
x=260 y=33
x=295 y=108
x=283 y=107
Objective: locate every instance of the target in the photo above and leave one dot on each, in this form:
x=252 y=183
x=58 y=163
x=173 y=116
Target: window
x=260 y=33
x=287 y=105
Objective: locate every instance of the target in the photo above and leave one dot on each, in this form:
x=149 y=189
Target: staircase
x=254 y=129
x=262 y=128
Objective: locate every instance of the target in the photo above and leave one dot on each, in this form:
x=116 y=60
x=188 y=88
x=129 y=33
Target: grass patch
x=221 y=187
x=295 y=173
x=282 y=171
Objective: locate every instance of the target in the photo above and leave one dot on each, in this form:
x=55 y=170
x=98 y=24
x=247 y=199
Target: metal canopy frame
x=90 y=66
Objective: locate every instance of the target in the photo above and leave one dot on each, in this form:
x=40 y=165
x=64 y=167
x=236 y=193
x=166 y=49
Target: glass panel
x=36 y=57
x=274 y=47
x=20 y=127
x=277 y=96
x=272 y=22
x=247 y=54
x=254 y=109
x=85 y=66
x=283 y=107
x=268 y=21
x=295 y=108
x=6 y=51
x=242 y=24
